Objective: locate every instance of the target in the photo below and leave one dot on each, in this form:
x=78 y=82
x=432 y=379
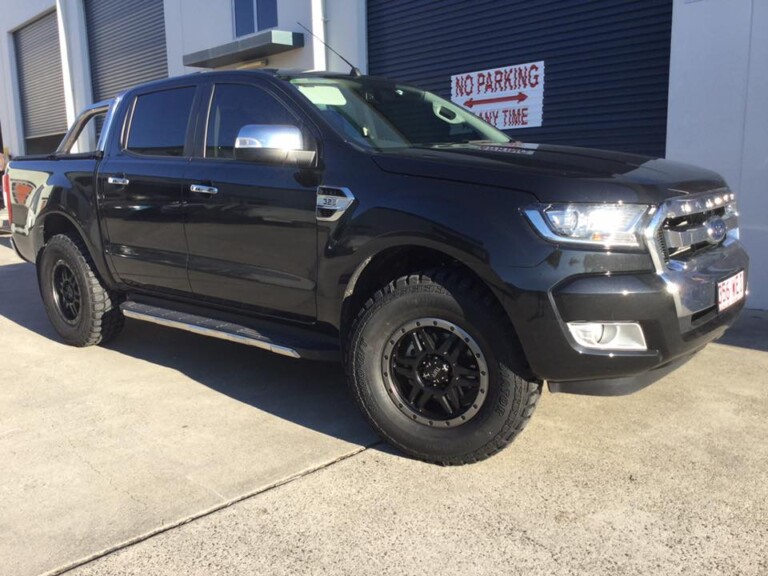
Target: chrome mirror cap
x=273 y=136
x=277 y=144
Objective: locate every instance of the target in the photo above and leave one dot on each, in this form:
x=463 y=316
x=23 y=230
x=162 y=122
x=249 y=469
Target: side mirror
x=272 y=144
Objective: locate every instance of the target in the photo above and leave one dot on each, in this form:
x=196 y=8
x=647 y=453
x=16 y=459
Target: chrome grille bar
x=696 y=235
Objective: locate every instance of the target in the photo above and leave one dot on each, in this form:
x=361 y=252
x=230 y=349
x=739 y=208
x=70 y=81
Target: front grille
x=684 y=228
x=661 y=244
x=688 y=223
x=682 y=223
x=692 y=240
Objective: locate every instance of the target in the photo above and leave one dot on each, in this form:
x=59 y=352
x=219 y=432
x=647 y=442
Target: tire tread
x=458 y=284
x=107 y=319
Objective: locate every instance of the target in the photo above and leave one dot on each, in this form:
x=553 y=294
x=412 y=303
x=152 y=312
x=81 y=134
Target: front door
x=251 y=227
x=141 y=193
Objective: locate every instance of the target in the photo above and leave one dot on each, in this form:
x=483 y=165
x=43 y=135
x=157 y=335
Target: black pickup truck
x=331 y=216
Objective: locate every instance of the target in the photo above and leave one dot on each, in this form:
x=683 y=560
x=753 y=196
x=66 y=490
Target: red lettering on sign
x=465 y=85
x=490 y=116
x=521 y=78
x=520 y=117
x=508 y=85
x=481 y=87
x=498 y=81
x=533 y=79
x=515 y=78
x=507 y=97
x=515 y=116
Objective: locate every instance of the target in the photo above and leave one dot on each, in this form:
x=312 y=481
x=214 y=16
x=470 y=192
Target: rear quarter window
x=159 y=122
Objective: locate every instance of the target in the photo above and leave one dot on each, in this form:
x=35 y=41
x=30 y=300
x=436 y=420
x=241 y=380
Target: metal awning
x=251 y=47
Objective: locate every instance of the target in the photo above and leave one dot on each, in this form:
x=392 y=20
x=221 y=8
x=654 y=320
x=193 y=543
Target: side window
x=234 y=106
x=159 y=123
x=84 y=134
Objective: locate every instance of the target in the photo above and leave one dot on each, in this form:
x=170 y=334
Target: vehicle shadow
x=20 y=297
x=310 y=394
x=749 y=331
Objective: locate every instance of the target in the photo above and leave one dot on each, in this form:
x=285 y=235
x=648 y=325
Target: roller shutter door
x=607 y=61
x=126 y=44
x=41 y=84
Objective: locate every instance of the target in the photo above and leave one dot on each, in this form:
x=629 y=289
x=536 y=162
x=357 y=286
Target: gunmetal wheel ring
x=66 y=292
x=435 y=372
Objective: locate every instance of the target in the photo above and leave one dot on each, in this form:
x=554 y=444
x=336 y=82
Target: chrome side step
x=205 y=326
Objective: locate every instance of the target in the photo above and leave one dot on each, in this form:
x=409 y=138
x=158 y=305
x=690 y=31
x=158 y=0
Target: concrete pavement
x=169 y=453
x=103 y=445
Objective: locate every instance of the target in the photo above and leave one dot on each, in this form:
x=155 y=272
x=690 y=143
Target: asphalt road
x=169 y=453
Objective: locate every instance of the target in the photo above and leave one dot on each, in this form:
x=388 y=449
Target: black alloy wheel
x=435 y=371
x=66 y=292
x=79 y=305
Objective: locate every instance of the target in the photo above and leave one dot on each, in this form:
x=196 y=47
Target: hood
x=553 y=173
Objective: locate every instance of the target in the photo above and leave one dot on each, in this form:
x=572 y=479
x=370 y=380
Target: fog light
x=608 y=335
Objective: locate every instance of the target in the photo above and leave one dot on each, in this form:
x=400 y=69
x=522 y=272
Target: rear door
x=141 y=190
x=252 y=242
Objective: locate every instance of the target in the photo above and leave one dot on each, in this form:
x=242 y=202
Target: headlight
x=595 y=224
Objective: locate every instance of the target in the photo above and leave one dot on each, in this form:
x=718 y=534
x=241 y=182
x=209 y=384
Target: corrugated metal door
x=126 y=44
x=607 y=61
x=41 y=84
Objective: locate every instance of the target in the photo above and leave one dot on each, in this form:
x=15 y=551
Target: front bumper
x=676 y=308
x=619 y=386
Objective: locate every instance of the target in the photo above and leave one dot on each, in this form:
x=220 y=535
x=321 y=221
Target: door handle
x=200 y=189
x=118 y=181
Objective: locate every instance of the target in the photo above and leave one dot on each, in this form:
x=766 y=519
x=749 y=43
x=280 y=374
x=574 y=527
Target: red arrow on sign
x=519 y=97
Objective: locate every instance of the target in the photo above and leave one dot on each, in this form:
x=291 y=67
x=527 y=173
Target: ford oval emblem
x=716 y=230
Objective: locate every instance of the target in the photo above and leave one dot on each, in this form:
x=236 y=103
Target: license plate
x=730 y=291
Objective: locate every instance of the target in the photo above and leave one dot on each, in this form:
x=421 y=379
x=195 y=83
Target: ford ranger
x=325 y=216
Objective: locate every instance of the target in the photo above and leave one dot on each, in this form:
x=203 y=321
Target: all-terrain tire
x=65 y=263
x=451 y=302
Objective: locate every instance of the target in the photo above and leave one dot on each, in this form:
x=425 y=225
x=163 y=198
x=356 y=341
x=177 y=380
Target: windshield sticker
x=321 y=95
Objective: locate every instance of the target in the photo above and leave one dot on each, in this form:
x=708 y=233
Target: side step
x=311 y=347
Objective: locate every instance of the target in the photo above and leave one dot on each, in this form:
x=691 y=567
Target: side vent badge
x=332 y=202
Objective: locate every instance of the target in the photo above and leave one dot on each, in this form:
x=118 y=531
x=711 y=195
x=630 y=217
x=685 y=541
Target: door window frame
x=189 y=136
x=309 y=134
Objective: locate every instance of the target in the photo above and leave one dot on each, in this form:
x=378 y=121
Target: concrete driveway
x=169 y=453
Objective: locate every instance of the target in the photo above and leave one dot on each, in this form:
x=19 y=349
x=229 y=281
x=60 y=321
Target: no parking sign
x=508 y=97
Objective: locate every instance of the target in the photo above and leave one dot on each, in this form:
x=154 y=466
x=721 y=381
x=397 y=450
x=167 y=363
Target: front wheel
x=82 y=310
x=437 y=369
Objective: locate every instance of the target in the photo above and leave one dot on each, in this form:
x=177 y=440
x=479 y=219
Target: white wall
x=192 y=25
x=288 y=14
x=347 y=32
x=75 y=64
x=718 y=110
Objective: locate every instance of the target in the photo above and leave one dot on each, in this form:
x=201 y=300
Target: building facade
x=57 y=56
x=685 y=79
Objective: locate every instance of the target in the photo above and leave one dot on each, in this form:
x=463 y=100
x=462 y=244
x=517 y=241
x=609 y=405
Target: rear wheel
x=437 y=369
x=82 y=310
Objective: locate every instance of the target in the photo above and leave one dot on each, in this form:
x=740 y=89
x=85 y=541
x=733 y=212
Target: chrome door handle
x=200 y=189
x=118 y=181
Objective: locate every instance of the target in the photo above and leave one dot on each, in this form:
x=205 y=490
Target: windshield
x=381 y=114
